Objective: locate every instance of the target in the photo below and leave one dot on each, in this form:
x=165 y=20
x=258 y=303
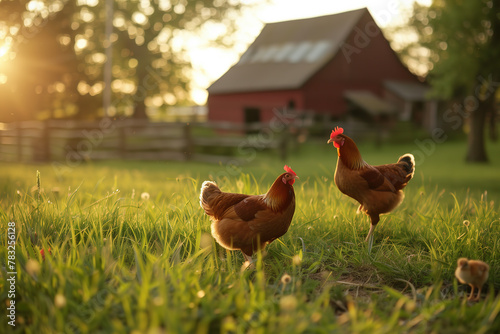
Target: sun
x=5 y=47
x=5 y=50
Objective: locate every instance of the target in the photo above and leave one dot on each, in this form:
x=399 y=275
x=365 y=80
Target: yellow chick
x=474 y=273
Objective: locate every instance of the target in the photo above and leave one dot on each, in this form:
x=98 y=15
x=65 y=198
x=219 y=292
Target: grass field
x=130 y=249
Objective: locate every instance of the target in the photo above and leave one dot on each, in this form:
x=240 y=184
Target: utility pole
x=108 y=66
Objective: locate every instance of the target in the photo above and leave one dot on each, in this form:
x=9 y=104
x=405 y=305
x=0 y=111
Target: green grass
x=121 y=262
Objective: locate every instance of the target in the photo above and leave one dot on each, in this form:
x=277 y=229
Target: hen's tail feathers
x=209 y=191
x=407 y=161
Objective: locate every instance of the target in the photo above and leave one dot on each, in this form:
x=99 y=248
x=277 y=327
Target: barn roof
x=408 y=91
x=286 y=54
x=369 y=102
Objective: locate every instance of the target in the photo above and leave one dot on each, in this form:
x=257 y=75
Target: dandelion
x=288 y=303
x=32 y=267
x=200 y=294
x=410 y=306
x=206 y=241
x=285 y=279
x=158 y=301
x=59 y=300
x=316 y=316
x=145 y=196
x=229 y=324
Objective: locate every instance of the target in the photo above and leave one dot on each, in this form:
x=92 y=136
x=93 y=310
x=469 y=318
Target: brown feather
x=248 y=208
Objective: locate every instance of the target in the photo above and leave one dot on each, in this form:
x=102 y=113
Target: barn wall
x=230 y=107
x=363 y=62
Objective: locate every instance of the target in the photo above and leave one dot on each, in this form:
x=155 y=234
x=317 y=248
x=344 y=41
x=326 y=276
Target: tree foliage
x=460 y=42
x=57 y=53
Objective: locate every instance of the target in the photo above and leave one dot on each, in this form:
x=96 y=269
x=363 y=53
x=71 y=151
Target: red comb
x=336 y=132
x=289 y=170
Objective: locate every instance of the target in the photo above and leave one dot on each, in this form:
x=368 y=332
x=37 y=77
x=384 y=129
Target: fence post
x=188 y=142
x=283 y=142
x=1 y=141
x=41 y=150
x=19 y=141
x=122 y=146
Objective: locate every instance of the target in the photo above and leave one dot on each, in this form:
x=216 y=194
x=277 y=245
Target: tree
x=35 y=65
x=151 y=65
x=463 y=39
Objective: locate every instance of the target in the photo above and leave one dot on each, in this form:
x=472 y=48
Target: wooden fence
x=70 y=141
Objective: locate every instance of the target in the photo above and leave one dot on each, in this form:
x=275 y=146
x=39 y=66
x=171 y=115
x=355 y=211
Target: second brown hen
x=250 y=222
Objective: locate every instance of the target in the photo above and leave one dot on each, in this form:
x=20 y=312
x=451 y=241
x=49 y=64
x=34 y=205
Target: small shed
x=313 y=65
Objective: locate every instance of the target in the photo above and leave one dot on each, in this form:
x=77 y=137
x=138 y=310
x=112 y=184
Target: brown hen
x=378 y=189
x=250 y=222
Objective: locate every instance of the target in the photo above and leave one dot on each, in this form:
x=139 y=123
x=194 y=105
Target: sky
x=210 y=63
x=383 y=11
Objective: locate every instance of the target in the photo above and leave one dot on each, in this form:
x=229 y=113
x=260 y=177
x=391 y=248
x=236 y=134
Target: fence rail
x=70 y=141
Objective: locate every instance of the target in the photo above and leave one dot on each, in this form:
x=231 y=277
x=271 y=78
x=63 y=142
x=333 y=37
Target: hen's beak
x=296 y=177
x=329 y=141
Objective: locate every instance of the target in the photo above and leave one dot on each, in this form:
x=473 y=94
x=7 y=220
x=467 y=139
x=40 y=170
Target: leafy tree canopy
x=459 y=41
x=54 y=53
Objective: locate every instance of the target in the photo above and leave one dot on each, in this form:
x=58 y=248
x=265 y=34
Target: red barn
x=324 y=64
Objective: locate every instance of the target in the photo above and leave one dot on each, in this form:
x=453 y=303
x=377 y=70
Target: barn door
x=252 y=116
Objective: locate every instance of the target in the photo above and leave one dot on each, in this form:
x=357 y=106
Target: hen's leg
x=369 y=237
x=471 y=296
x=248 y=258
x=478 y=294
x=249 y=263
